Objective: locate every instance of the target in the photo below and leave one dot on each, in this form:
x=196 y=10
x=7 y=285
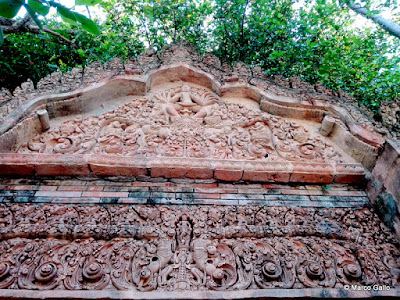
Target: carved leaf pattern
x=186 y=122
x=193 y=248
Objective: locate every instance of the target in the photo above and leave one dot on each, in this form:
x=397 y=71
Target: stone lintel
x=227 y=170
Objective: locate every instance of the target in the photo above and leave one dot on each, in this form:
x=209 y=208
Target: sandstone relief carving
x=174 y=248
x=186 y=121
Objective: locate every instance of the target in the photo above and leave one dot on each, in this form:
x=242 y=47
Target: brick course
x=99 y=190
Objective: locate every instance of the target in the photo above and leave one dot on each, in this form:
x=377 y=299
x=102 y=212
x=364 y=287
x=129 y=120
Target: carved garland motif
x=192 y=248
x=186 y=122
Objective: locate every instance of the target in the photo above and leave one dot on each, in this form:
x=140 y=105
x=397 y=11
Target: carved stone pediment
x=187 y=122
x=181 y=115
x=178 y=124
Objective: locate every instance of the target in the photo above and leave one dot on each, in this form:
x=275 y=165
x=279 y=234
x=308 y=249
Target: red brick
x=168 y=172
x=161 y=195
x=215 y=190
x=78 y=200
x=113 y=165
x=345 y=193
x=346 y=178
x=301 y=192
x=169 y=189
x=216 y=202
x=206 y=196
x=47 y=188
x=24 y=188
x=227 y=186
x=314 y=178
x=16 y=169
x=72 y=188
x=265 y=176
x=246 y=190
x=72 y=182
x=243 y=196
x=273 y=186
x=228 y=175
x=60 y=194
x=204 y=185
x=62 y=169
x=132 y=200
x=199 y=173
x=141 y=183
x=111 y=188
x=109 y=170
x=105 y=194
x=95 y=188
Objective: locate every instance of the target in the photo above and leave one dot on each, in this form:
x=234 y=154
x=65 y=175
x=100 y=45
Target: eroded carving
x=186 y=121
x=194 y=248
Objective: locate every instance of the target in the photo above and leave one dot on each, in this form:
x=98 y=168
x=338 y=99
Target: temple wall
x=384 y=186
x=86 y=237
x=175 y=176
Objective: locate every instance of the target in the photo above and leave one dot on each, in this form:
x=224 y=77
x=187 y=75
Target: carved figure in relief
x=198 y=125
x=192 y=248
x=185 y=102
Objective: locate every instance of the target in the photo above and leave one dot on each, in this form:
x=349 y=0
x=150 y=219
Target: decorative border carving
x=198 y=248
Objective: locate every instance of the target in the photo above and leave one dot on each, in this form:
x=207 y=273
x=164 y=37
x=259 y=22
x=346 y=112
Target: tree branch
x=12 y=26
x=24 y=25
x=48 y=30
x=389 y=26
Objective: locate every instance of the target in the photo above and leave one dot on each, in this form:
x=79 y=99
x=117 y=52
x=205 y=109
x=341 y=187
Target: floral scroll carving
x=193 y=248
x=186 y=121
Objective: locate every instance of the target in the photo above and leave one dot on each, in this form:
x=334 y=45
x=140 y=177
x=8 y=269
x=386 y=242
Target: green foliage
x=318 y=41
x=87 y=2
x=34 y=56
x=39 y=7
x=10 y=8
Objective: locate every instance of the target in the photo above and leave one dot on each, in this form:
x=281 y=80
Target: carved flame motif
x=185 y=122
x=193 y=248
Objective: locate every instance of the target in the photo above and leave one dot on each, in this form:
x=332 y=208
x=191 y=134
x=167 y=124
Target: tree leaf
x=87 y=24
x=10 y=8
x=38 y=7
x=34 y=16
x=87 y=2
x=67 y=15
x=69 y=21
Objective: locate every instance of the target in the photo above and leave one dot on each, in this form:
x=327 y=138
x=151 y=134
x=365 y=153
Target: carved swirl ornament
x=147 y=248
x=183 y=122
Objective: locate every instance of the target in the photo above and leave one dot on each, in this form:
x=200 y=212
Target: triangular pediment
x=196 y=133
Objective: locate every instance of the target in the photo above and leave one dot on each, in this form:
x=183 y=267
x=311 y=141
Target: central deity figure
x=186 y=102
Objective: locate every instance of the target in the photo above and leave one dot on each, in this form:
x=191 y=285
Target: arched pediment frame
x=326 y=123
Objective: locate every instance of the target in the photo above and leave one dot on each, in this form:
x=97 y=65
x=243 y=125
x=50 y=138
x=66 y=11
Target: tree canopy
x=319 y=40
